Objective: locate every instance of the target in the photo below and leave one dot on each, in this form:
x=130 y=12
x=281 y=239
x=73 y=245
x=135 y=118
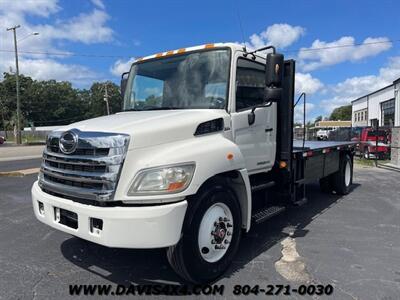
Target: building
x=332 y=124
x=382 y=105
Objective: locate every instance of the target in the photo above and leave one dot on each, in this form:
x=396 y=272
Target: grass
x=27 y=139
x=362 y=162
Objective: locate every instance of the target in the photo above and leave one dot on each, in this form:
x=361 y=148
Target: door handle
x=268 y=129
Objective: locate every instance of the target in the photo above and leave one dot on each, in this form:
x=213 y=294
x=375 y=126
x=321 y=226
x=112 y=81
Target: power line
x=90 y=55
x=68 y=54
x=341 y=46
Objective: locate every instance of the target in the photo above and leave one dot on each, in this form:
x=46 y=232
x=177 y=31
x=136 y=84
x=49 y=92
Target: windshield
x=379 y=133
x=188 y=81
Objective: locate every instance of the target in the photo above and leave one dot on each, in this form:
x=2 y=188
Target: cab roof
x=233 y=46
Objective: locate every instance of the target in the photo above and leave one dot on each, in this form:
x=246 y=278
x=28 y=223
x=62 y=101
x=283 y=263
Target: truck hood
x=149 y=128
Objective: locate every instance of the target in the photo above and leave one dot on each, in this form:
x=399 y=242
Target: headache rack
x=90 y=172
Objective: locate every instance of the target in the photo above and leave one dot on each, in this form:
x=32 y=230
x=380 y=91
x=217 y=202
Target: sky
x=96 y=40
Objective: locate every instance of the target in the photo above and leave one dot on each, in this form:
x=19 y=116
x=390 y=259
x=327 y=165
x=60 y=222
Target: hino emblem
x=68 y=142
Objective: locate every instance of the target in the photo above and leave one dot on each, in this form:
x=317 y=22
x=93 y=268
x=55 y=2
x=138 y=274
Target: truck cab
x=203 y=129
x=374 y=143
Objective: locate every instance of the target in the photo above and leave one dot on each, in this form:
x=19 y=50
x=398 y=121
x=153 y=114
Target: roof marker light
x=207 y=46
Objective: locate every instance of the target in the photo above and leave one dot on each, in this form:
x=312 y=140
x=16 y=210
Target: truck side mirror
x=124 y=81
x=273 y=77
x=273 y=82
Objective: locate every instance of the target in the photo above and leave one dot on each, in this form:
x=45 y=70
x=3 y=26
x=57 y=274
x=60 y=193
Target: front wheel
x=211 y=234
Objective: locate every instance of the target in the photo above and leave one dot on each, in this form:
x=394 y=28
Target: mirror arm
x=252 y=116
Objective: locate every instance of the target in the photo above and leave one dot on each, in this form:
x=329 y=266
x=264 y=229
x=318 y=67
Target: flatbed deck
x=317 y=145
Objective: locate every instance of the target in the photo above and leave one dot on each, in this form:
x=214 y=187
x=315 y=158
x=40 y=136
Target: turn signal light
x=175 y=186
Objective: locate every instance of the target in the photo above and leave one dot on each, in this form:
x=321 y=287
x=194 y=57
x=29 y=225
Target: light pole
x=14 y=29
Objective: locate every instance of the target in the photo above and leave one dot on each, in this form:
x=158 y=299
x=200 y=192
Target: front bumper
x=123 y=227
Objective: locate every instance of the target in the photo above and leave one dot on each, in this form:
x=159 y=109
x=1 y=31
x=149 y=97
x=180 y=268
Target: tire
x=325 y=184
x=189 y=258
x=343 y=179
x=366 y=153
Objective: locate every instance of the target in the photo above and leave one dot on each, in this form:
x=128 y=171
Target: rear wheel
x=366 y=153
x=211 y=235
x=343 y=179
x=325 y=184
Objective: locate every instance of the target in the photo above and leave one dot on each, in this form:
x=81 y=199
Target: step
x=262 y=186
x=301 y=181
x=266 y=213
x=300 y=202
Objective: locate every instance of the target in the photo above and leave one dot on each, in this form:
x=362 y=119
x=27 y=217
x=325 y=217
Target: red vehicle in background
x=373 y=143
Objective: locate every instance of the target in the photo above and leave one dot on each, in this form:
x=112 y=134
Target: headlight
x=162 y=180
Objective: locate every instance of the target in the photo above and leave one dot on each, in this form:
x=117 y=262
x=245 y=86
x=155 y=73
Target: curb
x=20 y=158
x=11 y=174
x=19 y=173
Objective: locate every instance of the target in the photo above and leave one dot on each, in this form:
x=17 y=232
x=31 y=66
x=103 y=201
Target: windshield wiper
x=153 y=108
x=132 y=109
x=162 y=108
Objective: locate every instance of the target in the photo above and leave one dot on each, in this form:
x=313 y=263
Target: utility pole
x=3 y=107
x=106 y=98
x=14 y=29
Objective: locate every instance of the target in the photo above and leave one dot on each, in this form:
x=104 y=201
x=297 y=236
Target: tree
x=342 y=113
x=8 y=96
x=318 y=119
x=51 y=102
x=97 y=105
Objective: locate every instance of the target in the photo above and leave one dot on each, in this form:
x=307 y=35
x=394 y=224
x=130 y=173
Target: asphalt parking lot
x=350 y=242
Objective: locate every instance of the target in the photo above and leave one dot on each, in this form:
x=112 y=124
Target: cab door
x=257 y=142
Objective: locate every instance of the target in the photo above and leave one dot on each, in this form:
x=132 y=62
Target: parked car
x=322 y=134
x=2 y=139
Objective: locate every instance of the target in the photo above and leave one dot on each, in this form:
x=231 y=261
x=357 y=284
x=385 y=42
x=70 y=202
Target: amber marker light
x=282 y=164
x=175 y=186
x=229 y=156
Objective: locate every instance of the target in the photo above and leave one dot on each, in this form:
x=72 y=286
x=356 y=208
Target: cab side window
x=250 y=83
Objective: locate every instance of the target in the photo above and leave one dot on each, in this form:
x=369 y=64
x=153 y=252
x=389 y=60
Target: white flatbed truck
x=202 y=130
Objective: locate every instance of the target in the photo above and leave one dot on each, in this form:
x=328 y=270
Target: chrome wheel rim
x=215 y=232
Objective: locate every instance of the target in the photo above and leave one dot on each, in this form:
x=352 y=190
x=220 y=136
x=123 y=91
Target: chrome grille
x=91 y=172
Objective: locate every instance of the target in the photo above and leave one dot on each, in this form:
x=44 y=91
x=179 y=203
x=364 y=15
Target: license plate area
x=66 y=217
